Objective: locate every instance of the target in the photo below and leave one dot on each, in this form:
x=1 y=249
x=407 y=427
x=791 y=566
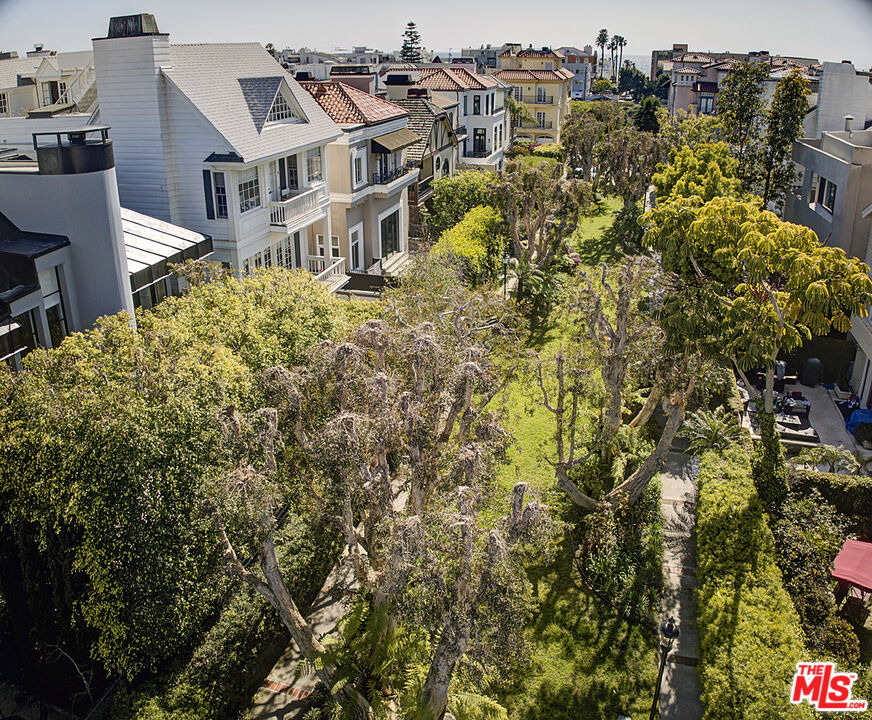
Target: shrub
x=851 y=495
x=711 y=430
x=750 y=639
x=863 y=433
x=551 y=150
x=457 y=194
x=477 y=241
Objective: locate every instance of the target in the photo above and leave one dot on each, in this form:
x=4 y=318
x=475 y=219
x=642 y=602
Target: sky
x=831 y=30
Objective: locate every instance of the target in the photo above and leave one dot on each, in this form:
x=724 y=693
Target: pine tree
x=411 y=50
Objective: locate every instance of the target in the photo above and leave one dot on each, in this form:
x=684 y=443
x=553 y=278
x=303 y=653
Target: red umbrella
x=853 y=564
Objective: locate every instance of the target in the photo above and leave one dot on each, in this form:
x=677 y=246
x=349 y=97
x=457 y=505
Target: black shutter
x=283 y=180
x=207 y=189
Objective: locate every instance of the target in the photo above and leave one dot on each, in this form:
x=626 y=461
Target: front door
x=275 y=182
x=390 y=234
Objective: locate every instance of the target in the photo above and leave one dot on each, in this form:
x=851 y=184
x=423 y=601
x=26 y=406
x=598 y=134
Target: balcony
x=284 y=213
x=542 y=100
x=461 y=132
x=388 y=176
x=537 y=126
x=330 y=271
x=478 y=153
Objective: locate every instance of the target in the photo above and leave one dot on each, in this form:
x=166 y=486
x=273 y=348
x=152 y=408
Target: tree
x=602 y=39
x=455 y=195
x=613 y=46
x=741 y=115
x=683 y=128
x=632 y=80
x=659 y=85
x=270 y=48
x=411 y=50
x=625 y=161
x=707 y=171
x=541 y=209
x=478 y=242
x=621 y=43
x=646 y=116
x=711 y=431
x=579 y=137
x=602 y=85
x=783 y=126
x=519 y=114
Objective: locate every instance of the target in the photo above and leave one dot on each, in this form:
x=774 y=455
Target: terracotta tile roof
x=534 y=75
x=695 y=58
x=686 y=70
x=454 y=79
x=530 y=53
x=347 y=105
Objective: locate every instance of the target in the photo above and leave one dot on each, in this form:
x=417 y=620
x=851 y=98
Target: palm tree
x=518 y=115
x=613 y=45
x=622 y=43
x=834 y=459
x=602 y=39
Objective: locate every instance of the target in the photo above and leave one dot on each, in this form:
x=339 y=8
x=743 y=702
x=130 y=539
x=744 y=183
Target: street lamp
x=505 y=274
x=668 y=632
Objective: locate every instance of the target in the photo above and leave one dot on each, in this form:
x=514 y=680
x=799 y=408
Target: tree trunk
x=613 y=377
x=769 y=393
x=434 y=695
x=648 y=408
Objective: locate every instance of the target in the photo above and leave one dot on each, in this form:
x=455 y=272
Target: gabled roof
x=534 y=75
x=11 y=68
x=260 y=94
x=686 y=70
x=423 y=115
x=209 y=76
x=454 y=79
x=347 y=105
x=694 y=57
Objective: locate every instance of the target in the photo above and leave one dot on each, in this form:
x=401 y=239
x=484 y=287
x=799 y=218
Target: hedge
x=750 y=640
x=849 y=494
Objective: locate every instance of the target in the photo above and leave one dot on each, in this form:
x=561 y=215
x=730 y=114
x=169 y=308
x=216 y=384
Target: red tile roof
x=695 y=58
x=530 y=53
x=534 y=75
x=454 y=79
x=686 y=70
x=348 y=105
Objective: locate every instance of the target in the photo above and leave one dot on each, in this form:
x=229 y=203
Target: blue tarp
x=856 y=418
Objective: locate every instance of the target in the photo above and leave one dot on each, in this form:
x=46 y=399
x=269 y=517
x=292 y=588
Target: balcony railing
x=424 y=186
x=478 y=153
x=388 y=176
x=460 y=132
x=323 y=271
x=537 y=126
x=542 y=100
x=284 y=212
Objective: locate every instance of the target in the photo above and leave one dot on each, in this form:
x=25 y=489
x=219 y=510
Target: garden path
x=679 y=693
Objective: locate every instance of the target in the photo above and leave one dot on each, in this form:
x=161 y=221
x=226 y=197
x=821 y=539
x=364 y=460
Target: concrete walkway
x=679 y=693
x=282 y=695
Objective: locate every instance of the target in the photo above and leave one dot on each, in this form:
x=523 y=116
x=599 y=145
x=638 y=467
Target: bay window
x=249 y=190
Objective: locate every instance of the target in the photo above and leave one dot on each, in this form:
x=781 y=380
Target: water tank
x=812 y=372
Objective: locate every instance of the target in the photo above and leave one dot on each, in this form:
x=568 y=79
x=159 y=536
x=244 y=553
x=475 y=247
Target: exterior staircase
x=88 y=102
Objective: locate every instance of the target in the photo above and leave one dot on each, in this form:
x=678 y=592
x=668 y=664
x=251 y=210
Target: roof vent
x=132 y=26
x=848 y=120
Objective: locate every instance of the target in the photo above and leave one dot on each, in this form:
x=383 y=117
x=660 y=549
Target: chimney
x=128 y=63
x=848 y=120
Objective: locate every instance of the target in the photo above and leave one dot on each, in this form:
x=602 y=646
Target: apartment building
x=481 y=124
x=582 y=64
x=220 y=139
x=540 y=82
x=69 y=253
x=46 y=82
x=842 y=90
x=370 y=178
x=835 y=200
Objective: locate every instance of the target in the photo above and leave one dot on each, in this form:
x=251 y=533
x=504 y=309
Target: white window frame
x=281 y=110
x=310 y=157
x=358 y=155
x=400 y=224
x=215 y=195
x=4 y=103
x=248 y=197
x=362 y=264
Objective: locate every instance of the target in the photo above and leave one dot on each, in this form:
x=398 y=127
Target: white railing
x=328 y=273
x=284 y=212
x=78 y=86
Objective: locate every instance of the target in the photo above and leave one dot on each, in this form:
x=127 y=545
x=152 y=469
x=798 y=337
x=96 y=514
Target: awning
x=853 y=564
x=394 y=141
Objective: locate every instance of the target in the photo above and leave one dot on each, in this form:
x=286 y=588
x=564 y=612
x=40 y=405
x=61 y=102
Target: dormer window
x=280 y=110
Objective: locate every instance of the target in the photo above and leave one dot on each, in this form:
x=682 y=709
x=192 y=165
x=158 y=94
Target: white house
x=481 y=113
x=582 y=64
x=45 y=82
x=220 y=139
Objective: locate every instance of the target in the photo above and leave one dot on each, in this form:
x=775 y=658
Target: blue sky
x=829 y=30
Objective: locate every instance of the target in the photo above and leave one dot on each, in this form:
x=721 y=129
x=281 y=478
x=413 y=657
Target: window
x=358 y=170
x=313 y=164
x=220 y=194
x=707 y=104
x=4 y=104
x=390 y=234
x=479 y=136
x=249 y=191
x=47 y=94
x=280 y=110
x=293 y=178
x=438 y=163
x=50 y=285
x=540 y=94
x=826 y=194
x=540 y=119
x=465 y=105
x=355 y=243
x=549 y=66
x=476 y=104
x=62 y=90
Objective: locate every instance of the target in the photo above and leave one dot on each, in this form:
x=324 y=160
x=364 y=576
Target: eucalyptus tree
x=741 y=115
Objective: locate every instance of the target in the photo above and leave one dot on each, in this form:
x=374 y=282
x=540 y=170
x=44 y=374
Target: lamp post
x=668 y=632
x=505 y=275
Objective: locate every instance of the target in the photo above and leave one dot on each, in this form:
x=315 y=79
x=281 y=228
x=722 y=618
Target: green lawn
x=583 y=662
x=533 y=160
x=588 y=236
